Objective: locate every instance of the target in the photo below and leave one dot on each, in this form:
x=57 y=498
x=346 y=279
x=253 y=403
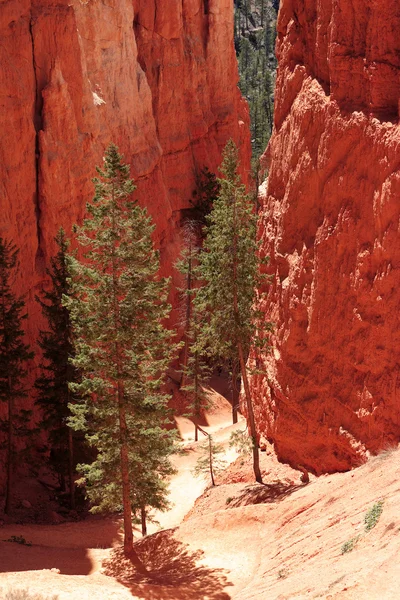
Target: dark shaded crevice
x=38 y=123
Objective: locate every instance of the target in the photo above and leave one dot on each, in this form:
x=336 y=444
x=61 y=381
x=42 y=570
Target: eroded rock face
x=157 y=78
x=331 y=227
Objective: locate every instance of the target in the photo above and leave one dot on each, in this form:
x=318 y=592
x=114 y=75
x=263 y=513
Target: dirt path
x=67 y=558
x=279 y=541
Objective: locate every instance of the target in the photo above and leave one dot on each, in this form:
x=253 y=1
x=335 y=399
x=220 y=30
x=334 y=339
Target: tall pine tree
x=117 y=306
x=194 y=367
x=231 y=271
x=54 y=395
x=13 y=356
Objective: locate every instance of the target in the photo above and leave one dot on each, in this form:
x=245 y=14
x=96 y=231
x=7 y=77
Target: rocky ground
x=278 y=541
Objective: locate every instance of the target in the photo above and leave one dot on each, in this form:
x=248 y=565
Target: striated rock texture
x=330 y=224
x=157 y=78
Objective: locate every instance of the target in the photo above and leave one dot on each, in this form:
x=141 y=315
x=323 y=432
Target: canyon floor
x=278 y=541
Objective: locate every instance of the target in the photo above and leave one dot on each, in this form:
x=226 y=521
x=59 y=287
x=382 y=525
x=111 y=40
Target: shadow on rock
x=264 y=494
x=172 y=571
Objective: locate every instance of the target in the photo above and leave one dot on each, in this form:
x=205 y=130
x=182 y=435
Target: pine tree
x=194 y=368
x=196 y=373
x=117 y=307
x=231 y=271
x=54 y=395
x=13 y=356
x=207 y=189
x=257 y=67
x=210 y=461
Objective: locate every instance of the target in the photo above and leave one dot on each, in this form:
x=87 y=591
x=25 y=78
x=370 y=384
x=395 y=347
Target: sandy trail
x=279 y=541
x=77 y=550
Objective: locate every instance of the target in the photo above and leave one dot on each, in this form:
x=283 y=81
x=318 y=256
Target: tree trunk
x=249 y=404
x=10 y=446
x=188 y=317
x=246 y=13
x=71 y=469
x=143 y=519
x=196 y=433
x=211 y=460
x=126 y=489
x=197 y=399
x=235 y=383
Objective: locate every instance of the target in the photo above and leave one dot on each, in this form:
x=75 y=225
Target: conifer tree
x=209 y=461
x=13 y=356
x=207 y=189
x=231 y=271
x=117 y=307
x=54 y=395
x=194 y=368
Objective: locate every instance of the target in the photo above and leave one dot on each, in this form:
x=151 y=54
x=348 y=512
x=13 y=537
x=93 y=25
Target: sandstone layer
x=157 y=78
x=330 y=223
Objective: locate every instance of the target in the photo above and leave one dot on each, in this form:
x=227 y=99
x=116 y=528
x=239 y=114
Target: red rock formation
x=157 y=78
x=330 y=223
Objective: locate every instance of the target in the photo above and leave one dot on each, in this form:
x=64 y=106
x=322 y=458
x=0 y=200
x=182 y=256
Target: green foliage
x=371 y=518
x=283 y=573
x=373 y=515
x=210 y=463
x=14 y=354
x=349 y=545
x=231 y=272
x=241 y=441
x=54 y=395
x=230 y=269
x=206 y=191
x=194 y=368
x=117 y=308
x=24 y=594
x=13 y=351
x=255 y=31
x=19 y=539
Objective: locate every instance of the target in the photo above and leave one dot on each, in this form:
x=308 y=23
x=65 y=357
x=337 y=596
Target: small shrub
x=229 y=500
x=373 y=515
x=24 y=594
x=349 y=545
x=283 y=573
x=19 y=539
x=241 y=441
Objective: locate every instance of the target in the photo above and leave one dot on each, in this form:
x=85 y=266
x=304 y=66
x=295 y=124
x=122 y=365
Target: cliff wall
x=330 y=223
x=157 y=78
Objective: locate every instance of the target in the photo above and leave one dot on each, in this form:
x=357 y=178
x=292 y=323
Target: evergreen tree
x=196 y=372
x=13 y=356
x=207 y=189
x=54 y=395
x=254 y=45
x=231 y=271
x=117 y=307
x=194 y=368
x=210 y=461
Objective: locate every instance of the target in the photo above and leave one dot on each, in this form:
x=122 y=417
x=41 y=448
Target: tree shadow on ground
x=69 y=561
x=264 y=494
x=172 y=571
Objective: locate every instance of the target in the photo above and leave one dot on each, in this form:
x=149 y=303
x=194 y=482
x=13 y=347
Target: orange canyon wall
x=158 y=78
x=330 y=223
